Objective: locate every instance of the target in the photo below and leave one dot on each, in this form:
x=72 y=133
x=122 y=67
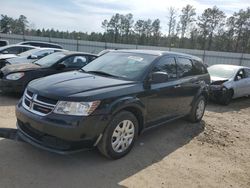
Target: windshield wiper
x=100 y=73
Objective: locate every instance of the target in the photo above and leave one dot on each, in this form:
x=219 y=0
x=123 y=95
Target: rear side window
x=168 y=65
x=184 y=67
x=198 y=68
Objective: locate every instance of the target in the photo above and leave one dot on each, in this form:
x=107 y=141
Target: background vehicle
x=228 y=82
x=4 y=57
x=4 y=43
x=32 y=55
x=105 y=51
x=14 y=78
x=111 y=100
x=15 y=49
x=11 y=51
x=41 y=44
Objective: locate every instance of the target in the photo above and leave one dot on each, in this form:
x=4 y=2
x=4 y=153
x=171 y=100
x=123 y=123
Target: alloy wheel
x=123 y=136
x=200 y=109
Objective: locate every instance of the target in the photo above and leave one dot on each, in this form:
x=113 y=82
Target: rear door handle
x=177 y=86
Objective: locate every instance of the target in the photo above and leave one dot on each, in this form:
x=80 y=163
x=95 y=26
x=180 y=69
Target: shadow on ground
x=9 y=99
x=31 y=167
x=235 y=105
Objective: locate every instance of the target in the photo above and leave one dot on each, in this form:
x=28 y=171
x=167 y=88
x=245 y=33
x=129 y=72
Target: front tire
x=198 y=110
x=120 y=135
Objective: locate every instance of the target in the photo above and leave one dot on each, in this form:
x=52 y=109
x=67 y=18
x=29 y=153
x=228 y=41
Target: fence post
x=204 y=55
x=23 y=37
x=105 y=45
x=77 y=43
x=241 y=58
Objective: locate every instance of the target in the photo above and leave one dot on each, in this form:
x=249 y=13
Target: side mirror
x=60 y=66
x=5 y=52
x=159 y=77
x=32 y=56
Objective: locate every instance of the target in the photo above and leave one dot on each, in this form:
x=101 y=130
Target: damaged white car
x=229 y=82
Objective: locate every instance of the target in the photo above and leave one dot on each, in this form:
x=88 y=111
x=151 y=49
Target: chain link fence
x=209 y=57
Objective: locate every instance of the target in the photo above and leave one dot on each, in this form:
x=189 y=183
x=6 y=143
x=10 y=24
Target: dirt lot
x=213 y=153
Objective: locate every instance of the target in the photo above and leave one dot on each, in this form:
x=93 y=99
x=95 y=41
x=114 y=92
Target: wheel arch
x=138 y=114
x=132 y=105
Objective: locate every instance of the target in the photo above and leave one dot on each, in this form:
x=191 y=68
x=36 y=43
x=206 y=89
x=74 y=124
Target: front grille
x=46 y=100
x=29 y=93
x=38 y=104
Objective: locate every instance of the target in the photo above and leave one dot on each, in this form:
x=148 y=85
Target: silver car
x=229 y=82
x=32 y=55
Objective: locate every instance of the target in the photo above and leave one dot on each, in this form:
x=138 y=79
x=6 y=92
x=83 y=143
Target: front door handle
x=177 y=86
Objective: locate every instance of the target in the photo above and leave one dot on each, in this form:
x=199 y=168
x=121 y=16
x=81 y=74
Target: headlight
x=15 y=76
x=76 y=108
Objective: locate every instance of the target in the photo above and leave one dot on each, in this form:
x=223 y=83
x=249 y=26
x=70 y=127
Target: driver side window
x=75 y=62
x=240 y=75
x=167 y=65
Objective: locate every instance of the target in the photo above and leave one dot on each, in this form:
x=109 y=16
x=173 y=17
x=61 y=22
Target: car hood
x=74 y=83
x=216 y=79
x=22 y=59
x=19 y=67
x=7 y=56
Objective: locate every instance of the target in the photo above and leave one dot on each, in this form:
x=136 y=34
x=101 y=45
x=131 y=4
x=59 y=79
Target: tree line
x=212 y=30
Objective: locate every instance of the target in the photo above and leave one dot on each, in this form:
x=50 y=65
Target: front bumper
x=11 y=86
x=59 y=133
x=216 y=93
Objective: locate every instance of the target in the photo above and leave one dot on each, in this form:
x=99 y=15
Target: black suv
x=110 y=101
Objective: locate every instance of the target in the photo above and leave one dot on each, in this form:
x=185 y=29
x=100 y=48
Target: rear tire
x=120 y=135
x=198 y=109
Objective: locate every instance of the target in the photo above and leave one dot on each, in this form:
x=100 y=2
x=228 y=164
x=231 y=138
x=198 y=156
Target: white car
x=32 y=55
x=11 y=51
x=229 y=82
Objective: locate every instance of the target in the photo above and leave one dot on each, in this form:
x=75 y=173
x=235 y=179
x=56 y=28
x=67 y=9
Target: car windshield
x=120 y=64
x=222 y=71
x=49 y=60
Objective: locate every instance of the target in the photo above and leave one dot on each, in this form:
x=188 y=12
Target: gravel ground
x=213 y=153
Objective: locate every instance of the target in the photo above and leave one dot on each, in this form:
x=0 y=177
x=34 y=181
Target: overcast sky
x=87 y=15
